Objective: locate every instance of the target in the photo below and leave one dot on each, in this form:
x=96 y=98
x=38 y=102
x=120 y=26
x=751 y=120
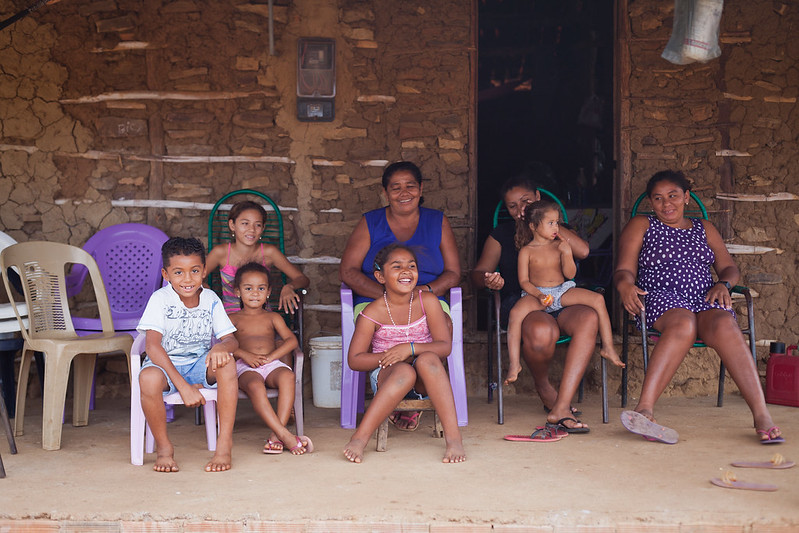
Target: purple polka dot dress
x=674 y=268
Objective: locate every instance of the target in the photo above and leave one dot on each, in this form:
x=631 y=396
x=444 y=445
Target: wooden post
x=155 y=217
x=726 y=181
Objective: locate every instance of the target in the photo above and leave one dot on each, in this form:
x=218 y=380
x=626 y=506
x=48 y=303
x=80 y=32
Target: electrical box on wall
x=316 y=79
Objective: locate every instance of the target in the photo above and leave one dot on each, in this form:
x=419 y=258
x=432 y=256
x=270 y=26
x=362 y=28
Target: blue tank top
x=425 y=242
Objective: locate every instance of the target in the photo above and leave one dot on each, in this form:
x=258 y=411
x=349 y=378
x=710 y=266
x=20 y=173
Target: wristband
x=725 y=283
x=413 y=354
x=429 y=288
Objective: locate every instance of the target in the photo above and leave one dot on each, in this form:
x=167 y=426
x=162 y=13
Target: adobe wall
x=732 y=125
x=109 y=108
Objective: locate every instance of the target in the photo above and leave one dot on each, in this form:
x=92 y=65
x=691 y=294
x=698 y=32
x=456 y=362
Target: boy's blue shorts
x=195 y=373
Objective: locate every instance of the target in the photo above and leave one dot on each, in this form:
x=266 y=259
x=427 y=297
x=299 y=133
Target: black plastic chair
x=647 y=335
x=494 y=331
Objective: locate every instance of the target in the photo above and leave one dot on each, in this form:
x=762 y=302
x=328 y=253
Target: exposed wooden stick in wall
x=166 y=95
x=770 y=197
x=114 y=156
x=748 y=249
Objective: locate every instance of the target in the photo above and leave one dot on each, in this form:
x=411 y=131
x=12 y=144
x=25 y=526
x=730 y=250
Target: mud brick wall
x=732 y=125
x=111 y=109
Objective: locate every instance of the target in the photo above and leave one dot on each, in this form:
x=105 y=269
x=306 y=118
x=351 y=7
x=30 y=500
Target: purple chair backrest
x=129 y=257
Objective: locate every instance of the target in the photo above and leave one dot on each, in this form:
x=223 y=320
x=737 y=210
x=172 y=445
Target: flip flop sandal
x=307 y=444
x=767 y=434
x=411 y=419
x=639 y=424
x=270 y=449
x=573 y=410
x=555 y=430
x=559 y=425
x=777 y=462
x=729 y=481
x=541 y=434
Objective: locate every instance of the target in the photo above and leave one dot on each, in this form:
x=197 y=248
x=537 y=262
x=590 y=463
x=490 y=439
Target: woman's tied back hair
x=181 y=246
x=672 y=176
x=533 y=214
x=382 y=256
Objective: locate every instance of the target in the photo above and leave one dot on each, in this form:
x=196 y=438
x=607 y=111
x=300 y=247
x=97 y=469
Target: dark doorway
x=545 y=85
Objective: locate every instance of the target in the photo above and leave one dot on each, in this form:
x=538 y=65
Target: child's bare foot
x=354 y=450
x=647 y=413
x=304 y=444
x=611 y=355
x=454 y=453
x=273 y=445
x=165 y=460
x=513 y=373
x=219 y=462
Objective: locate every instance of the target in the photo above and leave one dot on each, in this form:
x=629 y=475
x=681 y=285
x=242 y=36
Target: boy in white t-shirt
x=180 y=321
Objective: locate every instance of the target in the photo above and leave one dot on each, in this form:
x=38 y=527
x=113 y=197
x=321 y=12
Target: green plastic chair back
x=501 y=213
x=219 y=232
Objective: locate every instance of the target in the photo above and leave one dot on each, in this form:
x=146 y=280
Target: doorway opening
x=545 y=88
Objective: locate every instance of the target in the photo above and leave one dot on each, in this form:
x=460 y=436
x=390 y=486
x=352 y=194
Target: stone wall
x=110 y=108
x=731 y=125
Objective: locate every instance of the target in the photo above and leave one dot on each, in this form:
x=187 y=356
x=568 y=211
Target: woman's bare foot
x=766 y=429
x=354 y=450
x=513 y=373
x=611 y=355
x=647 y=413
x=219 y=462
x=565 y=419
x=165 y=460
x=455 y=452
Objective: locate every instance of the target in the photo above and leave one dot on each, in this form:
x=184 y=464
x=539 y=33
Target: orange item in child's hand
x=548 y=299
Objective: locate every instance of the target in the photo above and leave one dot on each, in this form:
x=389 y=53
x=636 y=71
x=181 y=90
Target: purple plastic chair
x=353 y=383
x=129 y=257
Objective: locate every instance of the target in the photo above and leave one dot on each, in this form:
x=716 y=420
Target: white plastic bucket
x=326 y=370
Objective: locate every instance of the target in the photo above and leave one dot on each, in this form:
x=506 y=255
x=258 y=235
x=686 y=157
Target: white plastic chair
x=141 y=438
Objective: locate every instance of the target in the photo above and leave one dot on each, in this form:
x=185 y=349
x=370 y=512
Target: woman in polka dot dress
x=671 y=256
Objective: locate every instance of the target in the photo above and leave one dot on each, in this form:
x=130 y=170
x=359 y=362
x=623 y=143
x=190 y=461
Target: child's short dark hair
x=240 y=207
x=533 y=214
x=181 y=246
x=252 y=266
x=382 y=256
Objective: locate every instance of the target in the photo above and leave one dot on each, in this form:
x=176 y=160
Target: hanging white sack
x=695 y=35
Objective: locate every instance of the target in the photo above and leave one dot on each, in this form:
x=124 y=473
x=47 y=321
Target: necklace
x=388 y=308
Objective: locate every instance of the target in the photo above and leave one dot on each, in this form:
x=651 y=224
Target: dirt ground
x=608 y=479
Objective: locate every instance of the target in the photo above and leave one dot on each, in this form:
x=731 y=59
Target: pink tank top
x=228 y=274
x=388 y=335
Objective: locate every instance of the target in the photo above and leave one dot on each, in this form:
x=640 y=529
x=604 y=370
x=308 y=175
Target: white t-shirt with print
x=186 y=332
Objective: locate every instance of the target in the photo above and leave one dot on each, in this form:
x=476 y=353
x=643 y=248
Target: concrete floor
x=607 y=480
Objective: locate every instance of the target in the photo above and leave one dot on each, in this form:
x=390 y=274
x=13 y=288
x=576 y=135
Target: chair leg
x=382 y=436
x=56 y=376
x=209 y=410
x=625 y=346
x=12 y=444
x=8 y=379
x=22 y=393
x=604 y=364
x=498 y=349
x=83 y=370
x=720 y=399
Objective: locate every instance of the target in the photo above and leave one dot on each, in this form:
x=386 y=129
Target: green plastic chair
x=695 y=209
x=494 y=333
x=219 y=232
